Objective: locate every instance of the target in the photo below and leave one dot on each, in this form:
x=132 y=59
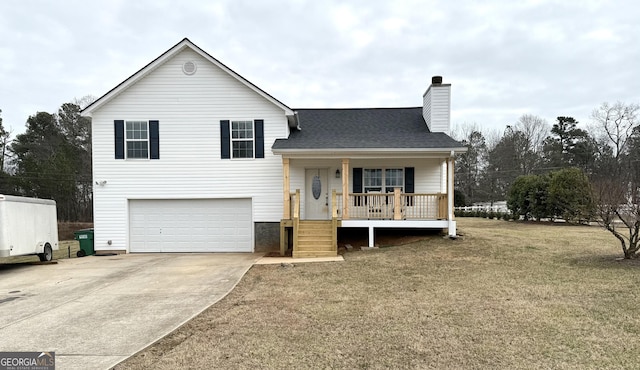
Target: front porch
x=311 y=230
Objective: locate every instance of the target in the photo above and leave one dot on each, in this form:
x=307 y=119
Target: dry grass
x=509 y=295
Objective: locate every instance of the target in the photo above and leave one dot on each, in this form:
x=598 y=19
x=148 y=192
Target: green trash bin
x=85 y=238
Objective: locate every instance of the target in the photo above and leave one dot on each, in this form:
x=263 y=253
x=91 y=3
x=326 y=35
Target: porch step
x=314 y=242
x=315 y=247
x=315 y=225
x=311 y=254
x=315 y=239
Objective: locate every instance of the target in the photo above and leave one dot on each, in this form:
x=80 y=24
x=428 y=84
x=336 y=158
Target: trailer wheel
x=47 y=255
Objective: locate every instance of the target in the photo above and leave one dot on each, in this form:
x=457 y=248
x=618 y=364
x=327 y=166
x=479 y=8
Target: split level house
x=189 y=156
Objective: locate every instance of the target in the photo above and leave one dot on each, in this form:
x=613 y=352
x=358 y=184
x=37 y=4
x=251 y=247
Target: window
x=137 y=139
x=393 y=178
x=380 y=180
x=372 y=180
x=242 y=139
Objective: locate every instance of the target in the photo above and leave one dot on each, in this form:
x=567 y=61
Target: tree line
x=561 y=170
x=51 y=160
x=531 y=147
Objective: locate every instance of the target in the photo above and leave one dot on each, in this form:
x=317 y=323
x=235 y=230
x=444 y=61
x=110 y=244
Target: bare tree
x=84 y=102
x=470 y=165
x=615 y=124
x=535 y=130
x=615 y=187
x=618 y=214
x=492 y=135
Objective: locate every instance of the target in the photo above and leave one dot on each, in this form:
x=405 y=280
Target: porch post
x=452 y=225
x=286 y=192
x=345 y=188
x=397 y=207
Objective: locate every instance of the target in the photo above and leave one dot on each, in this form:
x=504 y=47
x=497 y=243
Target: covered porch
x=360 y=192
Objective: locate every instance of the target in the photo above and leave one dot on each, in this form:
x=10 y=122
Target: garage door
x=190 y=225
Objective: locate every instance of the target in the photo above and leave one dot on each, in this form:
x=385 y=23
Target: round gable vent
x=189 y=67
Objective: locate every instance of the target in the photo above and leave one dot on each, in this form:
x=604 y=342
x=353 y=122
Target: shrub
x=565 y=193
x=570 y=195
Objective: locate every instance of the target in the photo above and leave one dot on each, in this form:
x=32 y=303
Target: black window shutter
x=409 y=183
x=259 y=137
x=357 y=180
x=154 y=140
x=119 y=138
x=357 y=186
x=225 y=140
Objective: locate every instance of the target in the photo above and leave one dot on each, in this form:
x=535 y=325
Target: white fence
x=500 y=206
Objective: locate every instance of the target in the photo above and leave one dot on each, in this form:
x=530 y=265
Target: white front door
x=316 y=191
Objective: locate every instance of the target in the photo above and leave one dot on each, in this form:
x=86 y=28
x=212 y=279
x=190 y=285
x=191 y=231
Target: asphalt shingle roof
x=400 y=128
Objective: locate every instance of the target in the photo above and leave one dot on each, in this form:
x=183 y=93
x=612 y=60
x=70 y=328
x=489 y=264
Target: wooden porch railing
x=394 y=206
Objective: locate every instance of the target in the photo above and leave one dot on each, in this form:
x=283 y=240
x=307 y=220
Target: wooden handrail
x=334 y=204
x=334 y=220
x=296 y=205
x=296 y=219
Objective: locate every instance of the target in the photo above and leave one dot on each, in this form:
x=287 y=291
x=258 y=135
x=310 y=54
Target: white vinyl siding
x=437 y=108
x=189 y=109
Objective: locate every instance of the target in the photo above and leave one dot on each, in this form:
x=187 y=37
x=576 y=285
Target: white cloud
x=503 y=58
x=602 y=34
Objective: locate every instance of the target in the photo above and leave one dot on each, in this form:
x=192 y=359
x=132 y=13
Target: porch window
x=372 y=180
x=383 y=180
x=393 y=178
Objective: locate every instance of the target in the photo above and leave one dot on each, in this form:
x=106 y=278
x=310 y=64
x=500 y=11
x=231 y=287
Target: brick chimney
x=436 y=106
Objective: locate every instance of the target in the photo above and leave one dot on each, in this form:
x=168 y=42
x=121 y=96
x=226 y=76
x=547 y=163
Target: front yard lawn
x=507 y=295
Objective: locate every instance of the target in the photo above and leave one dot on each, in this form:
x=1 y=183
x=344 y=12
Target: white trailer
x=28 y=226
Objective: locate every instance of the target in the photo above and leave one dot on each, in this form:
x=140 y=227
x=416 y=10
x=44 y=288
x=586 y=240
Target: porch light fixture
x=337 y=173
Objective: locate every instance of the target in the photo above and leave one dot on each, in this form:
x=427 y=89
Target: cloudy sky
x=503 y=58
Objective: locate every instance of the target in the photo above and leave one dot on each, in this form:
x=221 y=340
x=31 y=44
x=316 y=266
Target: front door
x=316 y=198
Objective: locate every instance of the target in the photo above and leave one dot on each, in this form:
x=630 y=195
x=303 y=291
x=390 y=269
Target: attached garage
x=190 y=225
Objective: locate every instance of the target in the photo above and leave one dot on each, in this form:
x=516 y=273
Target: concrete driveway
x=96 y=311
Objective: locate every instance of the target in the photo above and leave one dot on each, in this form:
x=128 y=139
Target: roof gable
x=167 y=55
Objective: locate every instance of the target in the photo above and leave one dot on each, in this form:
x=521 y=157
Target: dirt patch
x=359 y=237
